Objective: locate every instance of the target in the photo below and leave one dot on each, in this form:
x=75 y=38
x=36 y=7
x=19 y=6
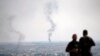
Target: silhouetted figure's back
x=73 y=46
x=85 y=44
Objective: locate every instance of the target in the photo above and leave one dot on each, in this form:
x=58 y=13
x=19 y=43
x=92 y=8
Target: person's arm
x=92 y=42
x=68 y=47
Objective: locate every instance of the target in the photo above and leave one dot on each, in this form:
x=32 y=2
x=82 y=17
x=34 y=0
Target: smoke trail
x=51 y=6
x=21 y=36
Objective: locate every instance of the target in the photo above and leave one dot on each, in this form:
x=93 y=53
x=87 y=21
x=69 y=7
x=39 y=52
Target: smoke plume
x=51 y=7
x=20 y=37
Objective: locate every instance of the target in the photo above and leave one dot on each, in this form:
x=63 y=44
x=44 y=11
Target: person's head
x=85 y=32
x=74 y=37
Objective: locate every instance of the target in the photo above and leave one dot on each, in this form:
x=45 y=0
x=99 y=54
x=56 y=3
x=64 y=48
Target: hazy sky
x=36 y=20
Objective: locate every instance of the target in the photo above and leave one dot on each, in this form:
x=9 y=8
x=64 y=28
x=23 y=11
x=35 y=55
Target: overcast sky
x=37 y=20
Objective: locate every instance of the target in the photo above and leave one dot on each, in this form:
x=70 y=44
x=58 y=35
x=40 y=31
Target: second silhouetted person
x=86 y=43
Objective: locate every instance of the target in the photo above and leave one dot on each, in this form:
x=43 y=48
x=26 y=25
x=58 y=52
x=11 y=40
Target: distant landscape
x=39 y=49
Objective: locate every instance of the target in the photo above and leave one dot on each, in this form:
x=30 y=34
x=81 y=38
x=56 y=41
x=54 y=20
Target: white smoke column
x=51 y=7
x=21 y=36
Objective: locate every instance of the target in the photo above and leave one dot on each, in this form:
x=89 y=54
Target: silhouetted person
x=73 y=46
x=85 y=44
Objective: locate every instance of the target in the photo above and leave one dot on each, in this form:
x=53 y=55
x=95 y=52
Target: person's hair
x=85 y=32
x=74 y=36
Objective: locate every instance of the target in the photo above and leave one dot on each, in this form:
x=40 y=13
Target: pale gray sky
x=31 y=20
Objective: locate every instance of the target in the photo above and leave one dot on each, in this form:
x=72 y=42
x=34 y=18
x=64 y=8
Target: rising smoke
x=51 y=7
x=21 y=36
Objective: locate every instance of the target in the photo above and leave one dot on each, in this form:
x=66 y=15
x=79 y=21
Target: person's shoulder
x=69 y=42
x=89 y=37
x=77 y=42
x=81 y=38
